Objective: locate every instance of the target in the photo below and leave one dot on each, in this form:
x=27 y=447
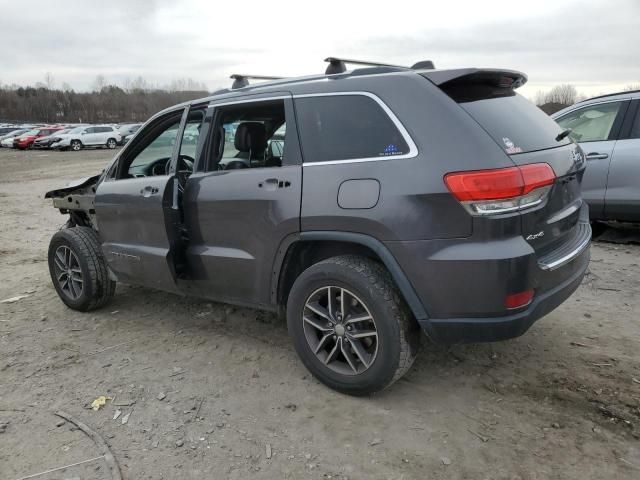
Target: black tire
x=397 y=332
x=111 y=143
x=75 y=145
x=597 y=229
x=97 y=289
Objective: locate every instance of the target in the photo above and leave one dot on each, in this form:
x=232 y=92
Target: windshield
x=76 y=130
x=32 y=132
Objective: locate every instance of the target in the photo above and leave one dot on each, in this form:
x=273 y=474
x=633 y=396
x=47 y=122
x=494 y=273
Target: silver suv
x=608 y=130
x=88 y=136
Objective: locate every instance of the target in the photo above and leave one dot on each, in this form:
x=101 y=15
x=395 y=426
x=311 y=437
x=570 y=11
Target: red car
x=26 y=140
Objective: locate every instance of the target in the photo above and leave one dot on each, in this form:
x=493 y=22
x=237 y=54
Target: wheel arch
x=302 y=250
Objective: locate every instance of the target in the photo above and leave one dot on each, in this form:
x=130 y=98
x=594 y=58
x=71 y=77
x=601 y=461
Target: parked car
x=126 y=139
x=7 y=129
x=608 y=129
x=128 y=129
x=45 y=142
x=24 y=141
x=401 y=199
x=6 y=140
x=88 y=136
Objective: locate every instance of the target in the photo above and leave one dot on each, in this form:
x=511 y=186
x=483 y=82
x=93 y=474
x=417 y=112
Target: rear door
x=622 y=201
x=136 y=207
x=595 y=127
x=242 y=201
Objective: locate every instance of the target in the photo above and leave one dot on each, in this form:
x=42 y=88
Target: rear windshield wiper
x=563 y=135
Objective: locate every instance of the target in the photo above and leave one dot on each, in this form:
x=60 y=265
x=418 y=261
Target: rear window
x=515 y=123
x=344 y=127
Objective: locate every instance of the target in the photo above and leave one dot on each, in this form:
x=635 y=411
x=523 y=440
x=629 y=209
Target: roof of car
x=614 y=96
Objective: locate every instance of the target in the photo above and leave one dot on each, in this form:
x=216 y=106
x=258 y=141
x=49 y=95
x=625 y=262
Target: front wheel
x=76 y=145
x=349 y=325
x=111 y=143
x=78 y=269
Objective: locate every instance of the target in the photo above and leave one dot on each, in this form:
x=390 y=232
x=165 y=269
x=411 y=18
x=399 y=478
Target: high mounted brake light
x=501 y=190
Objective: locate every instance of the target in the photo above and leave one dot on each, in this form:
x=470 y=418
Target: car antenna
x=337 y=65
x=241 y=80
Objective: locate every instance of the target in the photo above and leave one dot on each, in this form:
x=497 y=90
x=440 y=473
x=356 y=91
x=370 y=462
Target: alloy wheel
x=340 y=330
x=68 y=273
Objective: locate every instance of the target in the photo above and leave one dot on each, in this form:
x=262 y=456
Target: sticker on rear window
x=390 y=149
x=510 y=146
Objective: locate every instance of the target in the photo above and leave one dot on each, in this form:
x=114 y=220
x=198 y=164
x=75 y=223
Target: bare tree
x=563 y=94
x=540 y=98
x=49 y=81
x=98 y=83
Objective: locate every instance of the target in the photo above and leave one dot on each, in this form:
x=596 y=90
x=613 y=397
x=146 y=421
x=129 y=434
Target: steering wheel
x=185 y=164
x=159 y=167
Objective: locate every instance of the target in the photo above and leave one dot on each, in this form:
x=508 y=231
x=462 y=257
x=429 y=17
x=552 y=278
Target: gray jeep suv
x=368 y=205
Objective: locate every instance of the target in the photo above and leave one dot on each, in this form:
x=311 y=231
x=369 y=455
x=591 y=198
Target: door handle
x=274 y=183
x=596 y=156
x=148 y=191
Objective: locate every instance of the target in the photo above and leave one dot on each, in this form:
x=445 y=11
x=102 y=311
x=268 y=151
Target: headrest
x=250 y=136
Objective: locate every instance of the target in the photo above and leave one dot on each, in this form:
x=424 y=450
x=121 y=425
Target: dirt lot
x=563 y=401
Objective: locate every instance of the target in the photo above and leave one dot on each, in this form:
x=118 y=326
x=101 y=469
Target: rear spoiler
x=489 y=76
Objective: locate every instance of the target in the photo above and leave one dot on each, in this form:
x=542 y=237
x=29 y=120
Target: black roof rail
x=241 y=80
x=337 y=65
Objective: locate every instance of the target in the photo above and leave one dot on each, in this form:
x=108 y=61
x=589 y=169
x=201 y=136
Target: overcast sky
x=592 y=44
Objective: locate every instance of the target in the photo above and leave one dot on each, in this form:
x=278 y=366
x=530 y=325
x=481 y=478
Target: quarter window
x=343 y=127
x=592 y=123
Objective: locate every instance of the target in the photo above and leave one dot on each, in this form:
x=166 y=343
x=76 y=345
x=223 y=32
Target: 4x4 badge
x=533 y=236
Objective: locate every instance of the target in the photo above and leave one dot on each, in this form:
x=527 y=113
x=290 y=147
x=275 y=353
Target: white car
x=6 y=140
x=89 y=136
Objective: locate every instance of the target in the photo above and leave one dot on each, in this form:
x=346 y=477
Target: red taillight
x=536 y=175
x=499 y=183
x=520 y=299
x=501 y=190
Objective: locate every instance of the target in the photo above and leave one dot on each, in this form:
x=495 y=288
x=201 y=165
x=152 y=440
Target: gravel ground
x=212 y=391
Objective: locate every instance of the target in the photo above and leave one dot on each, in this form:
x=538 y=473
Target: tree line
x=107 y=103
x=562 y=96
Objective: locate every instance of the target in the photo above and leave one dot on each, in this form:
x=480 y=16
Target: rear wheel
x=75 y=145
x=350 y=326
x=111 y=143
x=78 y=269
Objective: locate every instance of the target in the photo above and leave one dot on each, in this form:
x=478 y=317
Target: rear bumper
x=463 y=284
x=466 y=330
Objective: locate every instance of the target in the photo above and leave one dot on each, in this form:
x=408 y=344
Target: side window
x=250 y=135
x=152 y=154
x=191 y=134
x=343 y=127
x=89 y=130
x=592 y=123
x=635 y=129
